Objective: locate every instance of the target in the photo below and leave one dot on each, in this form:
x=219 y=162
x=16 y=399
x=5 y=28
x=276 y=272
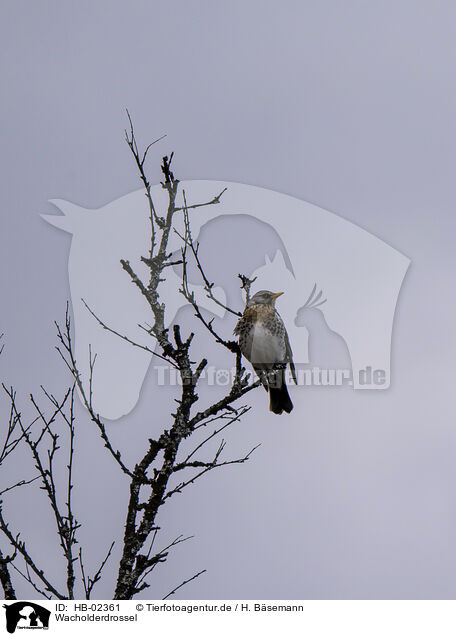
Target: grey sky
x=347 y=105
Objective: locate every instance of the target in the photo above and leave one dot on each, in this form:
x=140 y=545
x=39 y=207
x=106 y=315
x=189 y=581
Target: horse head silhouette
x=100 y=238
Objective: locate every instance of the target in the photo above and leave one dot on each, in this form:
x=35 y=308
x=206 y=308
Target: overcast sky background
x=350 y=106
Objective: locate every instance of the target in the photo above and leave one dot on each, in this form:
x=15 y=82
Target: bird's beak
x=277 y=295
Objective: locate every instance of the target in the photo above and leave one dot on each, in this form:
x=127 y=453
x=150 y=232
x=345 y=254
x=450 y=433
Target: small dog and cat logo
x=26 y=615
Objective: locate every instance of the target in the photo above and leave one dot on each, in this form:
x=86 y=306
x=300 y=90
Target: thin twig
x=20 y=546
x=29 y=580
x=126 y=338
x=89 y=583
x=233 y=419
x=192 y=578
x=23 y=482
x=154 y=219
x=70 y=361
x=188 y=242
x=206 y=468
x=213 y=201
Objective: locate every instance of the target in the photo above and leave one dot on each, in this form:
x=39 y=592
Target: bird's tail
x=279 y=398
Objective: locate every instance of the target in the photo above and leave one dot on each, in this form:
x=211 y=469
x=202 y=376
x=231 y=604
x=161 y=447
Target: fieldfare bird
x=264 y=341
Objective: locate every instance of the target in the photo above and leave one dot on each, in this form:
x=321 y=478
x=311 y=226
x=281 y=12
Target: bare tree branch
x=28 y=577
x=192 y=578
x=207 y=466
x=246 y=285
x=89 y=583
x=152 y=480
x=21 y=547
x=231 y=420
x=66 y=525
x=23 y=482
x=68 y=357
x=154 y=219
x=5 y=578
x=194 y=247
x=127 y=339
x=213 y=201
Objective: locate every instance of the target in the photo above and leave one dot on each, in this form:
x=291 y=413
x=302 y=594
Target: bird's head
x=264 y=297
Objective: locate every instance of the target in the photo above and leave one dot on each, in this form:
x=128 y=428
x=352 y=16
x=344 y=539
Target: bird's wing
x=289 y=357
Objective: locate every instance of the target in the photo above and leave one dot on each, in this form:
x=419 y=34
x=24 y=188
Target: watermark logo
x=26 y=615
x=341 y=284
x=310 y=376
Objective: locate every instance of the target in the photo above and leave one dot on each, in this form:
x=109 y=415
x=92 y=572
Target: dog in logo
x=26 y=614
